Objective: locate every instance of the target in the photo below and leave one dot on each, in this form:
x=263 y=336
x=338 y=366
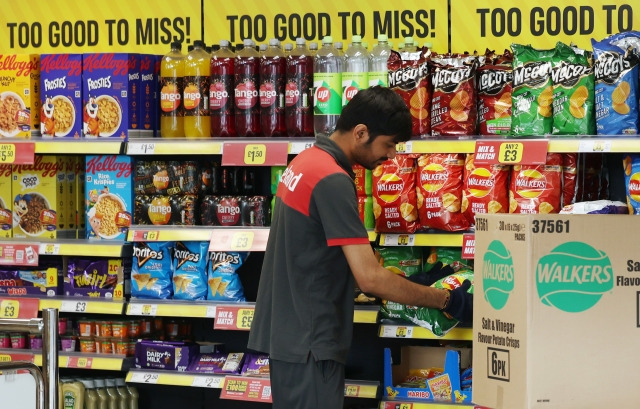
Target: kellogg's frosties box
x=61 y=95
x=19 y=94
x=110 y=83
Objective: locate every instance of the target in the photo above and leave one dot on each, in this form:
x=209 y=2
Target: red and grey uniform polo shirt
x=305 y=296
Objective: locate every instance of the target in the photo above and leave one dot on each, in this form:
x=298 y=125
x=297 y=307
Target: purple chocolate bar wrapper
x=164 y=354
x=256 y=365
x=91 y=273
x=218 y=363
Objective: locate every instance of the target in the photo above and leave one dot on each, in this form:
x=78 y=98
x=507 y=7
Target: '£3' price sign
x=9 y=309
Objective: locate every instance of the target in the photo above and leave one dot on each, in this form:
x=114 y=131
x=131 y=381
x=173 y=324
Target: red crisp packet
x=485 y=189
x=394 y=195
x=453 y=106
x=494 y=97
x=536 y=188
x=569 y=173
x=409 y=78
x=440 y=191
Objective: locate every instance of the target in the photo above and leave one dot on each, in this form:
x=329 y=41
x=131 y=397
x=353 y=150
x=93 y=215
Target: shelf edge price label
x=351 y=390
x=594 y=146
x=399 y=239
x=9 y=309
x=206 y=382
x=144 y=377
x=50 y=249
x=523 y=152
x=79 y=362
x=74 y=306
x=244 y=318
x=143 y=309
x=255 y=154
x=404 y=147
x=297 y=147
x=242 y=241
x=141 y=148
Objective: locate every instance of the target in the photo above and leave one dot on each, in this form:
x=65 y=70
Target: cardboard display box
x=556 y=311
x=442 y=388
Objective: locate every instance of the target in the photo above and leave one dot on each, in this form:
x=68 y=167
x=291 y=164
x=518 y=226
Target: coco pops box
x=110 y=83
x=19 y=95
x=61 y=95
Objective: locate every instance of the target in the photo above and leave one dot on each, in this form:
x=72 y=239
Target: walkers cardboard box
x=556 y=311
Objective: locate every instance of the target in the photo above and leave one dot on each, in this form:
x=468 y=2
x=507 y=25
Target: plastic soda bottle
x=273 y=71
x=246 y=83
x=298 y=91
x=313 y=48
x=378 y=70
x=327 y=85
x=171 y=87
x=197 y=72
x=223 y=121
x=356 y=70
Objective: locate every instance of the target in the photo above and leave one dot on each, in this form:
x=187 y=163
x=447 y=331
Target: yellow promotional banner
x=261 y=20
x=62 y=26
x=479 y=24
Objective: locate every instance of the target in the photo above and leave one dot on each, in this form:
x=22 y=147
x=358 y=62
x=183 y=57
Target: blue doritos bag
x=616 y=67
x=190 y=270
x=151 y=271
x=223 y=281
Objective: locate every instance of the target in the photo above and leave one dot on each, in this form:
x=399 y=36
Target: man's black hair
x=381 y=110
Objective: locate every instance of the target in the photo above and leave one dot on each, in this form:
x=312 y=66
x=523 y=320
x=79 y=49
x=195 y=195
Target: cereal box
x=61 y=95
x=19 y=94
x=35 y=190
x=81 y=211
x=147 y=92
x=110 y=83
x=109 y=196
x=6 y=200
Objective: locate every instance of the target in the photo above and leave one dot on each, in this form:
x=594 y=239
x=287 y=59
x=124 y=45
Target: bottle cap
x=274 y=42
x=110 y=382
x=198 y=43
x=338 y=44
x=88 y=383
x=288 y=46
x=327 y=40
x=408 y=40
x=383 y=37
x=224 y=43
x=100 y=383
x=263 y=47
x=120 y=382
x=313 y=45
x=356 y=39
x=176 y=44
x=300 y=41
x=247 y=42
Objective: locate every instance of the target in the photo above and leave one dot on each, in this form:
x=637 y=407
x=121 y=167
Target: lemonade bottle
x=197 y=70
x=171 y=88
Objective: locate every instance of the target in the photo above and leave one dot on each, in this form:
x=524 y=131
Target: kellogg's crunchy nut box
x=36 y=197
x=109 y=196
x=61 y=95
x=6 y=200
x=110 y=94
x=19 y=94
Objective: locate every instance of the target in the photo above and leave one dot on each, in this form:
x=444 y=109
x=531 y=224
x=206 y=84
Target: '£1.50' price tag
x=9 y=309
x=244 y=318
x=255 y=154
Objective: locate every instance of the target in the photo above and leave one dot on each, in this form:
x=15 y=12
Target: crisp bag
x=394 y=196
x=485 y=189
x=430 y=318
x=223 y=281
x=536 y=188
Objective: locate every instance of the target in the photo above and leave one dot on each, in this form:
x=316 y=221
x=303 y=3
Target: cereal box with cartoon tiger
x=110 y=83
x=108 y=196
x=61 y=95
x=36 y=201
x=19 y=95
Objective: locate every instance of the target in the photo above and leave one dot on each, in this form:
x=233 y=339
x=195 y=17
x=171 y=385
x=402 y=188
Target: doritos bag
x=190 y=270
x=485 y=189
x=440 y=191
x=151 y=270
x=532 y=94
x=453 y=105
x=573 y=92
x=394 y=196
x=494 y=96
x=223 y=280
x=409 y=78
x=616 y=90
x=536 y=188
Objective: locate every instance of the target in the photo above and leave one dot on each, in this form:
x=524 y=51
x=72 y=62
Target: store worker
x=318 y=245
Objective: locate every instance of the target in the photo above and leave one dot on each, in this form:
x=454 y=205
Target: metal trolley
x=47 y=379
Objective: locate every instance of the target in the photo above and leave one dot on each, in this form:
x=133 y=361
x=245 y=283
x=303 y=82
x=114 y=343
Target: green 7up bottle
x=327 y=85
x=356 y=71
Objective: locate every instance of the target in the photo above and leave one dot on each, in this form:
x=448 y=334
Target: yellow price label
x=82 y=363
x=406 y=406
x=118 y=292
x=511 y=152
x=5 y=358
x=245 y=318
x=153 y=235
x=50 y=249
x=255 y=154
x=401 y=332
x=146 y=309
x=7 y=153
x=351 y=390
x=242 y=241
x=9 y=309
